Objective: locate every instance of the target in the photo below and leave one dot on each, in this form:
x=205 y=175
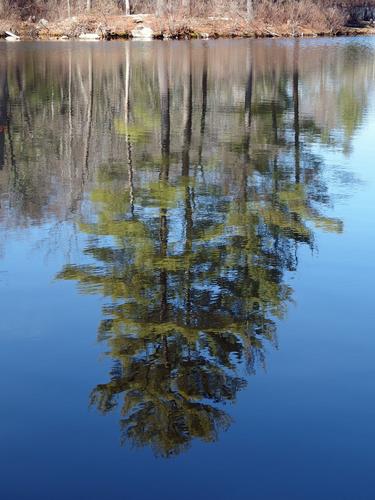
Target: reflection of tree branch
x=164 y=176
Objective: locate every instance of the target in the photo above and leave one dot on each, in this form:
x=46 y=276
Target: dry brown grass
x=179 y=9
x=296 y=16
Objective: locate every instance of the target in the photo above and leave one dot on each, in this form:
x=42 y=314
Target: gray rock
x=143 y=32
x=43 y=23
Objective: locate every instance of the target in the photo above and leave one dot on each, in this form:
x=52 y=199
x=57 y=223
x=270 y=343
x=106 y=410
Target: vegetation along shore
x=145 y=19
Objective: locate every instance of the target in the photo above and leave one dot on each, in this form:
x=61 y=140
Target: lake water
x=187 y=270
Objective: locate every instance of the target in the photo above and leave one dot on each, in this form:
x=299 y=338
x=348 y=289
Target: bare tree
x=160 y=7
x=186 y=5
x=249 y=9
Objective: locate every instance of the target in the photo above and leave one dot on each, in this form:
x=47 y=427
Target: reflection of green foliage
x=179 y=322
x=292 y=211
x=138 y=133
x=174 y=366
x=351 y=111
x=351 y=108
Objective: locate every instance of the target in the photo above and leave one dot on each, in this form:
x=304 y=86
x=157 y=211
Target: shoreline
x=151 y=27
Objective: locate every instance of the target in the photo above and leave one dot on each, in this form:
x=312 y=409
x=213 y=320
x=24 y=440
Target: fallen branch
x=271 y=32
x=12 y=35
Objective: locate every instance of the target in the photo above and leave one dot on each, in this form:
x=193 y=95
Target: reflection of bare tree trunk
x=296 y=113
x=130 y=175
x=5 y=117
x=70 y=103
x=243 y=198
x=3 y=111
x=70 y=113
x=297 y=168
x=89 y=116
x=187 y=110
x=204 y=105
x=11 y=150
x=126 y=119
x=275 y=157
x=274 y=122
x=275 y=133
x=25 y=107
x=188 y=116
x=188 y=251
x=127 y=86
x=246 y=145
x=248 y=111
x=273 y=110
x=164 y=89
x=164 y=275
x=165 y=123
x=248 y=97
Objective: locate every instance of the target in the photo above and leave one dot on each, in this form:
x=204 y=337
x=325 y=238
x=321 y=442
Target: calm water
x=187 y=270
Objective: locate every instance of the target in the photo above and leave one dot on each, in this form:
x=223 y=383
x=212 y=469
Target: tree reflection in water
x=190 y=241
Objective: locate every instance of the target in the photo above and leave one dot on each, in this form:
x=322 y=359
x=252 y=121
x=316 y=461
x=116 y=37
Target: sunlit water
x=187 y=268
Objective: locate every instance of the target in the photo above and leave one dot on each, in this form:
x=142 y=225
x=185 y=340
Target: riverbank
x=151 y=26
